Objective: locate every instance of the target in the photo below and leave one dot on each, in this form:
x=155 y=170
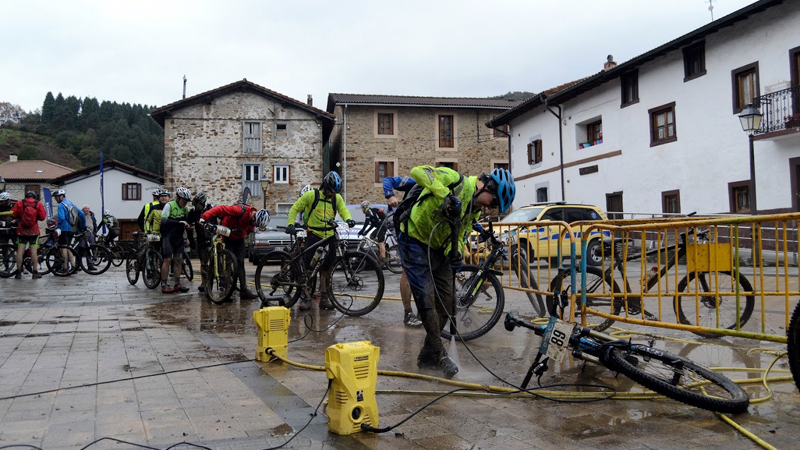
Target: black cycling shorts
x=172 y=243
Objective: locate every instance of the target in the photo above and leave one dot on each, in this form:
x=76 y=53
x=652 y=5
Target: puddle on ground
x=282 y=430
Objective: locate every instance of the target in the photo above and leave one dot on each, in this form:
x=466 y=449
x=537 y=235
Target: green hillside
x=28 y=145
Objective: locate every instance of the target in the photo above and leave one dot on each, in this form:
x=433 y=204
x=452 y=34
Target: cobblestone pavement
x=84 y=358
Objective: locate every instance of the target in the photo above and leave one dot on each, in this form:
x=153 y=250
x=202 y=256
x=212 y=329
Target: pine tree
x=47 y=108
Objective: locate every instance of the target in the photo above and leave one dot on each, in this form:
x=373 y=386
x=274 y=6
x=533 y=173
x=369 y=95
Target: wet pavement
x=90 y=357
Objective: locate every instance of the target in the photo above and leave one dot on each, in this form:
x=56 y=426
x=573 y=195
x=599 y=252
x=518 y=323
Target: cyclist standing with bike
x=67 y=224
x=242 y=220
x=430 y=245
x=173 y=222
x=318 y=206
x=199 y=240
x=29 y=212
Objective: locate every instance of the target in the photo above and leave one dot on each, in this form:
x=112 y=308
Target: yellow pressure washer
x=353 y=371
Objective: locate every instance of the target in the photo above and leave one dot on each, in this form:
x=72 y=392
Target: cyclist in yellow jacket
x=319 y=206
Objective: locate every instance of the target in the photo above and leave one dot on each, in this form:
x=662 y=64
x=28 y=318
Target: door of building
x=614 y=205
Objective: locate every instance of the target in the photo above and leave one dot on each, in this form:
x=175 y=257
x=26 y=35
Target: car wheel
x=593 y=253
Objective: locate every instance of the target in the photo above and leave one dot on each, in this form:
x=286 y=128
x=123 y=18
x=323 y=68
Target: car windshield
x=275 y=222
x=523 y=215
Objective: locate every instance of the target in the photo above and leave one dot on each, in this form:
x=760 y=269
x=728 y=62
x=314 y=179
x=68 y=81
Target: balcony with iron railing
x=780 y=109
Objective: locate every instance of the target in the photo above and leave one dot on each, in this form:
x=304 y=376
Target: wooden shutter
x=530 y=153
x=538 y=152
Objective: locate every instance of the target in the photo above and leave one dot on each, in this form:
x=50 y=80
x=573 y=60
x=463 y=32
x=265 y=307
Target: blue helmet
x=506 y=190
x=332 y=182
x=262 y=218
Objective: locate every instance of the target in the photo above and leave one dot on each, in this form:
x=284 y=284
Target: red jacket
x=17 y=211
x=233 y=218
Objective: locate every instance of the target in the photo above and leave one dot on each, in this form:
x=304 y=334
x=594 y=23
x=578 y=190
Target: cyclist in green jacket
x=174 y=222
x=318 y=206
x=427 y=249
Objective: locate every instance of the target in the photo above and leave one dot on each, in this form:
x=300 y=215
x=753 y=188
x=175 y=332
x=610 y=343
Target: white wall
x=86 y=191
x=711 y=149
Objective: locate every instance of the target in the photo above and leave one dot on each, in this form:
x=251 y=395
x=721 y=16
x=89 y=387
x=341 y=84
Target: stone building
x=229 y=139
x=383 y=135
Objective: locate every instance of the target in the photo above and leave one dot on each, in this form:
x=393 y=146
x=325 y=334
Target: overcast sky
x=139 y=51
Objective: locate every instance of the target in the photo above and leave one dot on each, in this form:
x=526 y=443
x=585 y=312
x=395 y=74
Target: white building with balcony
x=661 y=132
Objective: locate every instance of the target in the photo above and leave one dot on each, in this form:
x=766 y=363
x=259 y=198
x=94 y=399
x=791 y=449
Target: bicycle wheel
x=220 y=274
x=678 y=378
x=393 y=259
x=793 y=345
x=599 y=289
x=479 y=303
x=277 y=273
x=186 y=267
x=57 y=264
x=117 y=256
x=99 y=259
x=151 y=272
x=132 y=269
x=704 y=314
x=355 y=284
x=8 y=260
x=40 y=255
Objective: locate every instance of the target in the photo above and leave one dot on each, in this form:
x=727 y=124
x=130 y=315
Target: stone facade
x=204 y=145
x=415 y=141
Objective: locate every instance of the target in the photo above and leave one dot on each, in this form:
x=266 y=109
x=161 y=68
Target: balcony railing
x=781 y=110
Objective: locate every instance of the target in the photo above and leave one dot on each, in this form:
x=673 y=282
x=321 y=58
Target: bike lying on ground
x=667 y=374
x=355 y=280
x=712 y=290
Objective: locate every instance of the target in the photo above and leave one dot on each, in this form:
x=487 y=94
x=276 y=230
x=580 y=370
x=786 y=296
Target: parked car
x=273 y=238
x=542 y=242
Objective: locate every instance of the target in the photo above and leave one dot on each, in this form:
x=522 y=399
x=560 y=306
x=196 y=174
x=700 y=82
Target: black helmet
x=31 y=194
x=332 y=182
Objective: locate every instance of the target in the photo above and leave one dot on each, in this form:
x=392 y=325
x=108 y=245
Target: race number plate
x=301 y=233
x=556 y=338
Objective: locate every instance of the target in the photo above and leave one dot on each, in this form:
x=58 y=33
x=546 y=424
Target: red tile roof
x=34 y=169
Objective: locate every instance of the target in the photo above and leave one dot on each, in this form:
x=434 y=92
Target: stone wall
x=203 y=148
x=415 y=142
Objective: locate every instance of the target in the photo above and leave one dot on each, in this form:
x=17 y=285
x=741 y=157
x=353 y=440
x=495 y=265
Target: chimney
x=310 y=100
x=12 y=157
x=609 y=64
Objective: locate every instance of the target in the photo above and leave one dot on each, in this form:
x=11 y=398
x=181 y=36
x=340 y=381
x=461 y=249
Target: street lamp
x=264 y=187
x=2 y=184
x=751 y=122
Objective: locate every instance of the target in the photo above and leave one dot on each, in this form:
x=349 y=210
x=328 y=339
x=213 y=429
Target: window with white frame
x=281 y=174
x=283 y=208
x=251 y=141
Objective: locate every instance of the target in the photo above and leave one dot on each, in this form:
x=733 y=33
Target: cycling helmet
x=60 y=192
x=365 y=205
x=305 y=189
x=199 y=198
x=262 y=218
x=31 y=194
x=505 y=188
x=332 y=182
x=164 y=192
x=183 y=193
x=5 y=196
x=156 y=193
x=106 y=213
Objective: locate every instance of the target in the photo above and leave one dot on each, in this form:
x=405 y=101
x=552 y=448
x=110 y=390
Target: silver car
x=273 y=238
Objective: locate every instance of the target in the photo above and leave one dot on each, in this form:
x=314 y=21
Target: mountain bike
x=793 y=345
x=480 y=297
x=115 y=250
x=186 y=264
x=93 y=259
x=712 y=290
x=146 y=260
x=355 y=280
x=667 y=374
x=218 y=267
x=392 y=260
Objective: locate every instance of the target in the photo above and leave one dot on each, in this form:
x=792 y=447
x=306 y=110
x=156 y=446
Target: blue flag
x=102 y=197
x=48 y=202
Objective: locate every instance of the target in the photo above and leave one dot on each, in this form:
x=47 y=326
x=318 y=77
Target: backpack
x=72 y=216
x=29 y=213
x=314 y=206
x=412 y=197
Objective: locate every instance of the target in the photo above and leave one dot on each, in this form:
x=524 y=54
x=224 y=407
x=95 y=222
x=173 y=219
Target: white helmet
x=60 y=192
x=183 y=193
x=305 y=189
x=5 y=196
x=106 y=213
x=262 y=218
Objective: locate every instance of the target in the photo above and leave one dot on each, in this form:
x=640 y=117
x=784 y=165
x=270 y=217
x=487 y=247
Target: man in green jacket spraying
x=430 y=241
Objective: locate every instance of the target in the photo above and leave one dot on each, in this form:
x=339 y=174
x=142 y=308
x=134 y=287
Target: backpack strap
x=314 y=206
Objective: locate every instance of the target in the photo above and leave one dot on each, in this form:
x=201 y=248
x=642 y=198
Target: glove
x=451 y=207
x=455 y=261
x=184 y=224
x=290 y=229
x=351 y=223
x=201 y=221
